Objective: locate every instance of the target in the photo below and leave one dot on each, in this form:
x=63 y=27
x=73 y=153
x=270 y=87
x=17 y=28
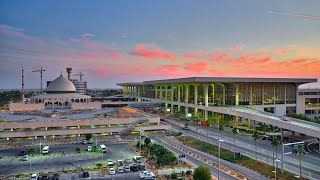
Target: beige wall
x=86 y=122
x=300 y=104
x=89 y=105
x=25 y=107
x=76 y=131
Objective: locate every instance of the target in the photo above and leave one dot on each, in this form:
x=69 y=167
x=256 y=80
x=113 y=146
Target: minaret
x=22 y=84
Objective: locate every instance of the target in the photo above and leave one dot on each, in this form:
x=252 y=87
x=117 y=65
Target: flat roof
x=222 y=80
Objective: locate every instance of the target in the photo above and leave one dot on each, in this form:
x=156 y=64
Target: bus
x=45 y=150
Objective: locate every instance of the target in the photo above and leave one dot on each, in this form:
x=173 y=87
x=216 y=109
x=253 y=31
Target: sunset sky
x=113 y=41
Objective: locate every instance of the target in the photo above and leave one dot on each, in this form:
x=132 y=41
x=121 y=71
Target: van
x=45 y=150
x=103 y=148
x=137 y=159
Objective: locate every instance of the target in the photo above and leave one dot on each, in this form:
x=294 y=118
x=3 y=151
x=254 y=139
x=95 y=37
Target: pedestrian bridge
x=292 y=124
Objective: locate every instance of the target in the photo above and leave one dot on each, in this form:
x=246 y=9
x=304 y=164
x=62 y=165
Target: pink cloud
x=91 y=56
x=282 y=51
x=237 y=48
x=196 y=67
x=219 y=56
x=195 y=55
x=113 y=54
x=149 y=53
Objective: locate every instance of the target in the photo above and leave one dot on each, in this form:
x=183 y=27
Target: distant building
x=81 y=86
x=309 y=100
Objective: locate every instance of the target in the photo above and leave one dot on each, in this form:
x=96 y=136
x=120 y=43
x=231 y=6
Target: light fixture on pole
x=220 y=141
x=275 y=168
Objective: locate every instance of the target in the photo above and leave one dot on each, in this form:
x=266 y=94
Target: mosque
x=60 y=94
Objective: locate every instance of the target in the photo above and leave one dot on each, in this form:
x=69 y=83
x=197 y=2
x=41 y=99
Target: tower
x=69 y=69
x=22 y=84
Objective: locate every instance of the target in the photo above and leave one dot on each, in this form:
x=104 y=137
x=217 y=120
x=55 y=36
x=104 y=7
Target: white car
x=120 y=169
x=34 y=176
x=146 y=174
x=112 y=171
x=85 y=141
x=128 y=161
x=110 y=162
x=25 y=158
x=89 y=148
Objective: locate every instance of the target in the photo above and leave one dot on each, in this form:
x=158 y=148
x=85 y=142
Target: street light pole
x=220 y=141
x=275 y=168
x=40 y=146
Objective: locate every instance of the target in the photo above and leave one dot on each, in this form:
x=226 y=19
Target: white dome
x=315 y=85
x=61 y=85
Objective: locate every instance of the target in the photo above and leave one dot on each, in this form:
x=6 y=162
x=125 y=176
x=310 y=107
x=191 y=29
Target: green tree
x=88 y=136
x=255 y=136
x=299 y=151
x=99 y=165
x=202 y=173
x=186 y=125
x=31 y=151
x=147 y=141
x=235 y=131
x=275 y=143
x=77 y=150
x=221 y=127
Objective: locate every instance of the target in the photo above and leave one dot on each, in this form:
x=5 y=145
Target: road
x=245 y=145
x=195 y=161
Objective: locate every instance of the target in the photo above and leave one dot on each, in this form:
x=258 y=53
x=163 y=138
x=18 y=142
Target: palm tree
x=299 y=151
x=255 y=136
x=275 y=142
x=235 y=131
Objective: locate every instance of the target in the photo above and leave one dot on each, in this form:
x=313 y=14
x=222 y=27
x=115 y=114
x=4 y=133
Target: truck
x=137 y=159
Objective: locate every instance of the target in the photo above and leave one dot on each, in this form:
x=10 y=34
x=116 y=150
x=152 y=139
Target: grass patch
x=227 y=155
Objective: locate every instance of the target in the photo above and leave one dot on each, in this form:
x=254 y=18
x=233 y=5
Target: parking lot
x=11 y=163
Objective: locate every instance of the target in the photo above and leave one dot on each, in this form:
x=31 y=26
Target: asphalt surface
x=12 y=164
x=245 y=145
x=196 y=162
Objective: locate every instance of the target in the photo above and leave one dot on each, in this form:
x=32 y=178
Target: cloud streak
x=88 y=35
x=151 y=54
x=295 y=15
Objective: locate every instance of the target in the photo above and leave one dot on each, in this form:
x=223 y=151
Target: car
x=286 y=119
x=56 y=176
x=90 y=141
x=120 y=162
x=128 y=161
x=89 y=148
x=112 y=171
x=110 y=162
x=126 y=169
x=25 y=158
x=85 y=141
x=137 y=159
x=142 y=166
x=120 y=169
x=185 y=128
x=34 y=177
x=45 y=177
x=146 y=174
x=134 y=167
x=85 y=174
x=22 y=153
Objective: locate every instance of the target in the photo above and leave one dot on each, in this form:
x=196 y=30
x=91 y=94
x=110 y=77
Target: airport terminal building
x=274 y=95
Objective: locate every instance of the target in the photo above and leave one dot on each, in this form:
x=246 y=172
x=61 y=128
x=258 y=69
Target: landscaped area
x=228 y=156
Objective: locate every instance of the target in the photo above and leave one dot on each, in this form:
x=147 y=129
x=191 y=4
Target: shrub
x=174 y=175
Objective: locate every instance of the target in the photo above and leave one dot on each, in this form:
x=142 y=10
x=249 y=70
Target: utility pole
x=40 y=70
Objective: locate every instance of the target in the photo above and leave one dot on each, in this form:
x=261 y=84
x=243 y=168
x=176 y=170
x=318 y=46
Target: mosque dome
x=315 y=85
x=61 y=85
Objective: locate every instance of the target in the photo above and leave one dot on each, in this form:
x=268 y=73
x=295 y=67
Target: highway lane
x=195 y=161
x=247 y=149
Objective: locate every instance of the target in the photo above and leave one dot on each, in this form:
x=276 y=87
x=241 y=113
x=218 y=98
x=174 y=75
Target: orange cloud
x=219 y=56
x=237 y=48
x=149 y=53
x=113 y=54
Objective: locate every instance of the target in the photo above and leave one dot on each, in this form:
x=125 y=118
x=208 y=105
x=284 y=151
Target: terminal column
x=187 y=98
x=155 y=92
x=237 y=94
x=206 y=88
x=178 y=88
x=217 y=118
x=195 y=99
x=166 y=97
x=172 y=98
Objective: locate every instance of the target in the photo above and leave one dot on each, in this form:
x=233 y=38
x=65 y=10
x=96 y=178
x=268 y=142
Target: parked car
x=45 y=177
x=137 y=159
x=56 y=176
x=185 y=127
x=89 y=148
x=110 y=162
x=134 y=167
x=85 y=174
x=25 y=158
x=126 y=169
x=22 y=153
x=128 y=161
x=90 y=141
x=85 y=141
x=120 y=163
x=142 y=166
x=146 y=174
x=120 y=170
x=112 y=171
x=34 y=177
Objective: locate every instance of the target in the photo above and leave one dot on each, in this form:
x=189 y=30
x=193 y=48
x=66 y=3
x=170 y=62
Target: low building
x=309 y=100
